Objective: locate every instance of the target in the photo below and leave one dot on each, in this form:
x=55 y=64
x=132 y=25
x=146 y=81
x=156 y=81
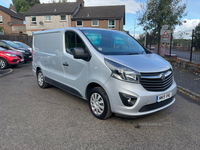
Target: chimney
x=81 y=1
x=12 y=7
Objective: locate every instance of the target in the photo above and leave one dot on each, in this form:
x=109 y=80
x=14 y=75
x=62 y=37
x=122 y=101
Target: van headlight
x=122 y=72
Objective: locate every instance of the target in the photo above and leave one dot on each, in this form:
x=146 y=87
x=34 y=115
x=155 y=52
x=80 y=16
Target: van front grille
x=156 y=82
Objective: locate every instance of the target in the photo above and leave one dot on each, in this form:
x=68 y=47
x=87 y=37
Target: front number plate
x=164 y=97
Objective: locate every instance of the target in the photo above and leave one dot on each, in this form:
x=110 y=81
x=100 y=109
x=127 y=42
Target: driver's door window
x=73 y=40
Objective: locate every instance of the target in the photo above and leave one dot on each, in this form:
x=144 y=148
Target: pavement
x=188 y=82
x=5 y=71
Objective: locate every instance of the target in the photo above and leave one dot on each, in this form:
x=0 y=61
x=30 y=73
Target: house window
x=95 y=22
x=47 y=18
x=111 y=24
x=79 y=23
x=1 y=32
x=33 y=20
x=1 y=19
x=63 y=17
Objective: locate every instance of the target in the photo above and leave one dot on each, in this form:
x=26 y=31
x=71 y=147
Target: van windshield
x=110 y=42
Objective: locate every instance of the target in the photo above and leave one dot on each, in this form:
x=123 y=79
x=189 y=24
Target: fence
x=21 y=38
x=183 y=51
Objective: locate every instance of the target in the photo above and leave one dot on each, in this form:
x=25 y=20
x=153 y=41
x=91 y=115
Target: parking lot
x=34 y=118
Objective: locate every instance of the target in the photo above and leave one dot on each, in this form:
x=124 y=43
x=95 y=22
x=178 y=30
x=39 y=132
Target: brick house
x=10 y=20
x=50 y=16
x=109 y=17
x=73 y=14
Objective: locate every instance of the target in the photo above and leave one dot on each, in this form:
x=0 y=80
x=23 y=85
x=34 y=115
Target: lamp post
x=191 y=46
x=145 y=41
x=158 y=52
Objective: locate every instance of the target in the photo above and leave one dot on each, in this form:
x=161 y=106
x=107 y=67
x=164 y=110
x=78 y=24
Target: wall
x=53 y=24
x=16 y=21
x=18 y=28
x=102 y=24
x=6 y=18
x=21 y=38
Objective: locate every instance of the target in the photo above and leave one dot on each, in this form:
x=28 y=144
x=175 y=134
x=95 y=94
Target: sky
x=132 y=6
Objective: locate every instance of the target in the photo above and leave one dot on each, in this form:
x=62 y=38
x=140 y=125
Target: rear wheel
x=40 y=79
x=99 y=103
x=3 y=63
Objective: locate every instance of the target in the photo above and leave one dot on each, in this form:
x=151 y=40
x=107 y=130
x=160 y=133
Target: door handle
x=65 y=64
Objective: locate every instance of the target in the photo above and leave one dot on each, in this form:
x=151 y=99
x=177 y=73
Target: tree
x=170 y=11
x=197 y=36
x=52 y=1
x=1 y=28
x=57 y=1
x=24 y=5
x=141 y=39
x=31 y=3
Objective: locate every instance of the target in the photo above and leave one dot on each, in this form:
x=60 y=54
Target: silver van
x=108 y=68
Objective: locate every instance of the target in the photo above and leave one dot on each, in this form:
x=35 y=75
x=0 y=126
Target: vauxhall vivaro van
x=108 y=68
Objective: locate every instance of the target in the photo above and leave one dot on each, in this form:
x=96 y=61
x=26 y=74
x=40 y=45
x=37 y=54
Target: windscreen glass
x=12 y=44
x=110 y=42
x=2 y=49
x=22 y=45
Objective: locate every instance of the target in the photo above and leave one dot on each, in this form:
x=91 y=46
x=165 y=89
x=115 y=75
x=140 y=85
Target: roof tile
x=52 y=9
x=12 y=13
x=101 y=12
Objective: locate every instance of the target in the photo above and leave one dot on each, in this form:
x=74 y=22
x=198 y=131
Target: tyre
x=41 y=81
x=3 y=63
x=99 y=103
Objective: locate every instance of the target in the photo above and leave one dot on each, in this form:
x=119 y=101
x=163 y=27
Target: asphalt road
x=185 y=55
x=43 y=119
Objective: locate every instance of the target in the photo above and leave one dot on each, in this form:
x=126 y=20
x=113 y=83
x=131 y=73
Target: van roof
x=73 y=28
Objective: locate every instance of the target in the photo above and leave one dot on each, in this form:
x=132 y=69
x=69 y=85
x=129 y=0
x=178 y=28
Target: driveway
x=33 y=118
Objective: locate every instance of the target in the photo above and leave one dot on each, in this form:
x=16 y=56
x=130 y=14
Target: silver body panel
x=49 y=54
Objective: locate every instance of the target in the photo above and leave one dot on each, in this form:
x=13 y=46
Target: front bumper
x=146 y=100
x=14 y=61
x=27 y=57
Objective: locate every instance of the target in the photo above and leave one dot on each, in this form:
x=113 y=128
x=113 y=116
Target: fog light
x=128 y=100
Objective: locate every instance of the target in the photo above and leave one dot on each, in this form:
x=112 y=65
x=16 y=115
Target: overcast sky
x=193 y=17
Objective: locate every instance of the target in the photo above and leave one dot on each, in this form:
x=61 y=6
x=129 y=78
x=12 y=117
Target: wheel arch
x=37 y=69
x=90 y=87
x=4 y=59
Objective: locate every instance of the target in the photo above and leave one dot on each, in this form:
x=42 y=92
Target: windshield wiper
x=142 y=52
x=132 y=53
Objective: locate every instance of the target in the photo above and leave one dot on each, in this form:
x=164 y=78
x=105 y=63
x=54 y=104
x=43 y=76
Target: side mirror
x=79 y=53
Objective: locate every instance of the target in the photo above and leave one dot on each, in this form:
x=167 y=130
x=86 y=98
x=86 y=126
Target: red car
x=9 y=57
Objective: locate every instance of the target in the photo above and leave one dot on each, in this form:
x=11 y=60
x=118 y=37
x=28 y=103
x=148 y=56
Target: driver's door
x=75 y=70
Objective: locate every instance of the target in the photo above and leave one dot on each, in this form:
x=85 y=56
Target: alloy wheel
x=2 y=62
x=97 y=103
x=40 y=79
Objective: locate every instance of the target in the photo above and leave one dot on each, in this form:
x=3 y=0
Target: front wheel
x=99 y=103
x=40 y=79
x=3 y=63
